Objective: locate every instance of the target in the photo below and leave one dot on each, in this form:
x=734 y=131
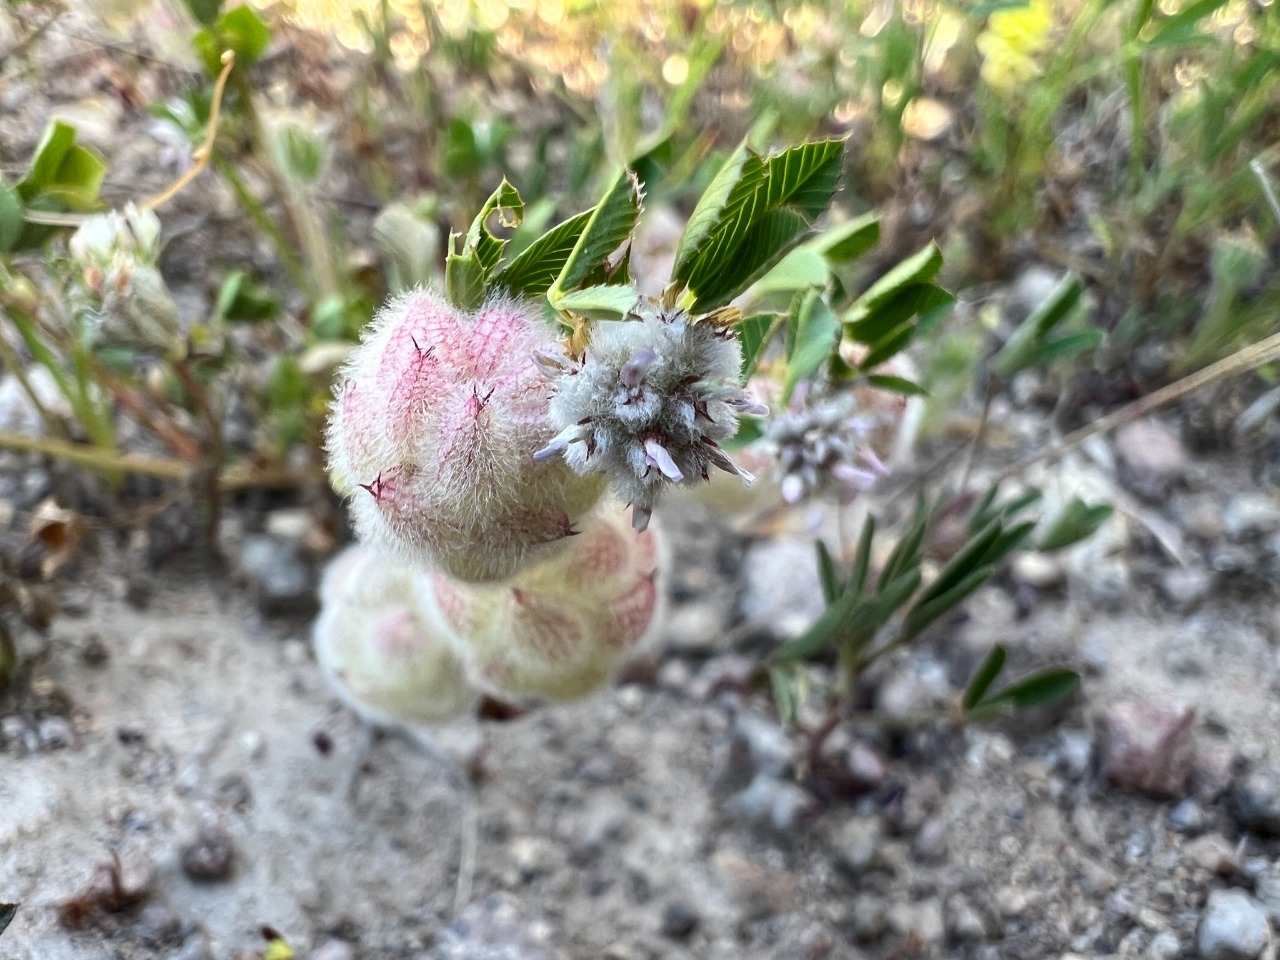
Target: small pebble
x=1213 y=853
x=867 y=919
x=1232 y=927
x=333 y=950
x=930 y=844
x=1188 y=817
x=1251 y=515
x=1186 y=588
x=865 y=766
x=1267 y=891
x=1255 y=802
x=209 y=857
x=771 y=800
x=857 y=845
x=964 y=922
x=678 y=920
x=1163 y=946
x=157 y=924
x=1148 y=747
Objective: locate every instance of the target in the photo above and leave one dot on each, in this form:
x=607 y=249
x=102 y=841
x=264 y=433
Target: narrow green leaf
x=827 y=573
x=850 y=240
x=873 y=613
x=926 y=612
x=1008 y=541
x=894 y=311
x=862 y=557
x=707 y=214
x=7 y=912
x=743 y=205
x=536 y=268
x=982 y=514
x=11 y=214
x=605 y=302
x=54 y=144
x=888 y=348
x=921 y=267
x=967 y=559
x=1182 y=27
x=821 y=633
x=1077 y=521
x=754 y=333
x=1020 y=503
x=783 y=697
x=1060 y=348
x=906 y=553
x=606 y=230
x=78 y=178
x=755 y=212
x=1061 y=304
x=814 y=332
x=1035 y=690
x=897 y=385
x=986 y=675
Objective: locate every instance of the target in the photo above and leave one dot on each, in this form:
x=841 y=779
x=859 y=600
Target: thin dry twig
x=1242 y=361
x=239 y=476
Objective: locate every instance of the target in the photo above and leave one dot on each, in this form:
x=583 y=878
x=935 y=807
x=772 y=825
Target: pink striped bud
x=433 y=433
x=561 y=628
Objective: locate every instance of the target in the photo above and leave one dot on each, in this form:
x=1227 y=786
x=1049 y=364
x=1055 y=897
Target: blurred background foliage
x=1125 y=143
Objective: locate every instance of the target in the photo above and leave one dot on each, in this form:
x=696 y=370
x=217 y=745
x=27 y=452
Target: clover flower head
x=118 y=253
x=433 y=431
x=648 y=402
x=825 y=446
x=560 y=628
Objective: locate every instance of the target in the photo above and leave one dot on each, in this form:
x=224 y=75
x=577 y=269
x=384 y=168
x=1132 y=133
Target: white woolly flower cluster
x=648 y=402
x=825 y=447
x=117 y=253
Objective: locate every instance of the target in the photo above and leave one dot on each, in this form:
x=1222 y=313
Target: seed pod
x=561 y=628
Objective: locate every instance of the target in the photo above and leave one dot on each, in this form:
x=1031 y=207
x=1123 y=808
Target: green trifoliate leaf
x=532 y=273
x=605 y=233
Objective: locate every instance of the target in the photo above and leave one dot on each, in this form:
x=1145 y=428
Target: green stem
x=323 y=277
x=262 y=220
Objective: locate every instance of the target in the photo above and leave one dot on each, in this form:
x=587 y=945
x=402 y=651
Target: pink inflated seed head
x=382 y=645
x=433 y=431
x=560 y=628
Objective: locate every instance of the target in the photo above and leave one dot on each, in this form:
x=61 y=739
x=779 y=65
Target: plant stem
x=9 y=358
x=1250 y=358
x=262 y=220
x=323 y=273
x=236 y=477
x=213 y=454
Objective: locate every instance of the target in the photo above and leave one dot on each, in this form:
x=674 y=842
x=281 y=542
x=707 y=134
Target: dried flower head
x=825 y=447
x=117 y=253
x=648 y=402
x=433 y=432
x=381 y=645
x=561 y=628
